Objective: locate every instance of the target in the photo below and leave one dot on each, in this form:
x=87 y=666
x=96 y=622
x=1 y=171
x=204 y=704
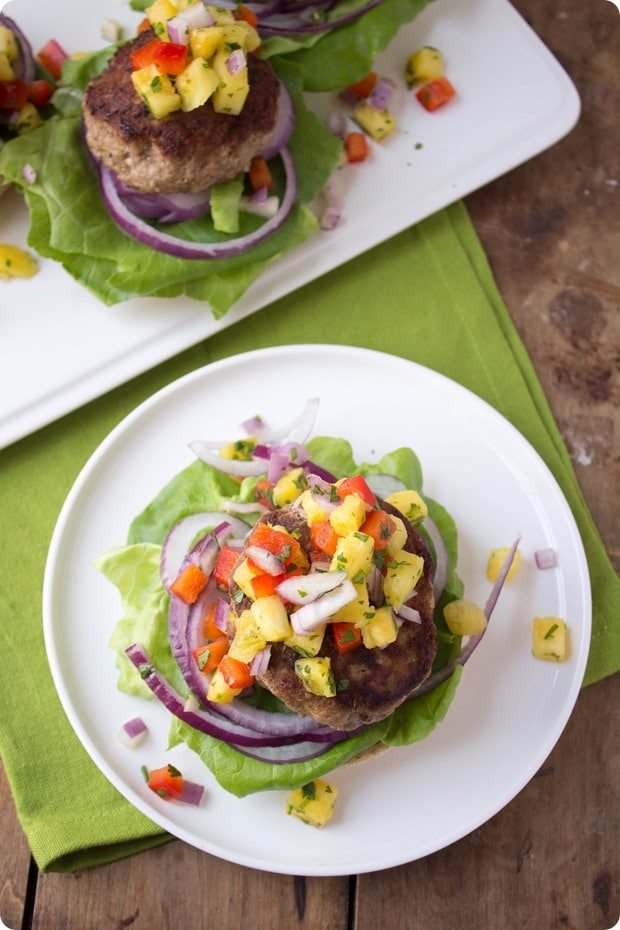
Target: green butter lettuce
x=134 y=570
x=69 y=223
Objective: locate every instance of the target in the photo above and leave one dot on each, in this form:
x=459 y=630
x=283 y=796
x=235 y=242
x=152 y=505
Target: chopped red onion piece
x=265 y=560
x=408 y=613
x=260 y=662
x=265 y=208
x=29 y=174
x=305 y=589
x=329 y=219
x=382 y=93
x=255 y=424
x=260 y=196
x=278 y=466
x=192 y=17
x=133 y=733
x=546 y=558
x=192 y=793
x=236 y=62
x=441 y=557
x=337 y=123
x=220 y=618
x=310 y=617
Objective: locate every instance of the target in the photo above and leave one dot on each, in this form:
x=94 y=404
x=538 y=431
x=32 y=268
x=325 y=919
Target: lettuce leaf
x=342 y=56
x=134 y=569
x=69 y=223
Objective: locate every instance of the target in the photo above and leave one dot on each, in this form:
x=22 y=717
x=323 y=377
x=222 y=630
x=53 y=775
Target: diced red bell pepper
x=235 y=673
x=324 y=537
x=13 y=95
x=356 y=146
x=209 y=629
x=40 y=92
x=52 y=56
x=356 y=485
x=260 y=175
x=378 y=525
x=283 y=546
x=435 y=93
x=189 y=584
x=170 y=57
x=226 y=560
x=364 y=87
x=209 y=656
x=167 y=782
x=262 y=493
x=265 y=585
x=346 y=636
x=250 y=17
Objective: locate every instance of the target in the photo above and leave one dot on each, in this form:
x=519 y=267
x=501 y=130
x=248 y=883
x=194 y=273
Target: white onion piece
x=441 y=557
x=278 y=466
x=239 y=469
x=265 y=560
x=545 y=558
x=192 y=17
x=408 y=613
x=310 y=617
x=305 y=589
x=179 y=539
x=265 y=208
x=384 y=485
x=191 y=704
x=133 y=733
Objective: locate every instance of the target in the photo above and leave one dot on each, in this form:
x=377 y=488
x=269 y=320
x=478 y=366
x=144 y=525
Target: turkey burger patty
x=371 y=683
x=183 y=152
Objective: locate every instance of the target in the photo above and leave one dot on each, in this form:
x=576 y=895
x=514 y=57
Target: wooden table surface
x=551 y=857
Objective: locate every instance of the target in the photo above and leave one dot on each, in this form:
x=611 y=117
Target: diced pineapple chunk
x=311 y=507
x=271 y=618
x=313 y=803
x=156 y=90
x=204 y=42
x=6 y=69
x=221 y=16
x=292 y=483
x=194 y=86
x=424 y=65
x=242 y=576
x=379 y=124
x=230 y=95
x=348 y=516
x=464 y=618
x=183 y=4
x=306 y=645
x=15 y=263
x=497 y=558
x=8 y=44
x=157 y=14
x=353 y=555
x=241 y=33
x=381 y=630
x=242 y=449
x=27 y=119
x=358 y=611
x=549 y=639
x=316 y=675
x=398 y=538
x=219 y=691
x=248 y=639
x=410 y=505
x=402 y=575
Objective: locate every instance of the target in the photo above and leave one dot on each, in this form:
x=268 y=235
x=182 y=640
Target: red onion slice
x=441 y=557
x=182 y=248
x=178 y=540
x=312 y=616
x=260 y=662
x=305 y=589
x=285 y=121
x=304 y=24
x=408 y=613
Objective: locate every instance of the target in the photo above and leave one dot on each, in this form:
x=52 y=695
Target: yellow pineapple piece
x=464 y=618
x=313 y=803
x=497 y=558
x=549 y=639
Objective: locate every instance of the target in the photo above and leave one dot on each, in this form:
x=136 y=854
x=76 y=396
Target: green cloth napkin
x=427 y=295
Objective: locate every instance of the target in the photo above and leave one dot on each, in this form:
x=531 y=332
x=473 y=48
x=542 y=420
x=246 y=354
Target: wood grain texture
x=14 y=860
x=176 y=886
x=550 y=230
x=549 y=860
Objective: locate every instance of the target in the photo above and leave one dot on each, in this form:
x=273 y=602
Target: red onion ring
x=175 y=546
x=25 y=66
x=181 y=248
x=285 y=122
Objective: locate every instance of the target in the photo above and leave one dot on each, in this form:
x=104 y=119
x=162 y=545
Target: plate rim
x=151 y=812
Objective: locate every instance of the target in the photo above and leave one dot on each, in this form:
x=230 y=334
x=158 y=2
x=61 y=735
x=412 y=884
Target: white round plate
x=509 y=709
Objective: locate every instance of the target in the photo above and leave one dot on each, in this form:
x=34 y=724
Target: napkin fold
x=428 y=295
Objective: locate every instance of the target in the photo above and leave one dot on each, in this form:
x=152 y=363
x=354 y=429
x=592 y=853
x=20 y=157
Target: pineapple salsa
x=198 y=54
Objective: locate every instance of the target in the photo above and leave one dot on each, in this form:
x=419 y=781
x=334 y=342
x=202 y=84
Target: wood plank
x=550 y=859
x=178 y=886
x=551 y=234
x=14 y=860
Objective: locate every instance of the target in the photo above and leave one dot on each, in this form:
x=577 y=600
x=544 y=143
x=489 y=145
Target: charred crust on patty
x=183 y=152
x=371 y=683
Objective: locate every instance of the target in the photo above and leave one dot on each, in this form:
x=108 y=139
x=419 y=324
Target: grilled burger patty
x=379 y=680
x=183 y=152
